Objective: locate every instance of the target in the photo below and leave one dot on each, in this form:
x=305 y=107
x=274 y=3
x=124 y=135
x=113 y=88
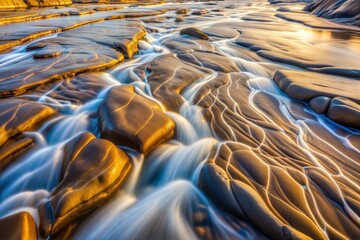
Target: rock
x=341 y=11
x=8 y=4
x=261 y=37
x=317 y=22
x=194 y=32
x=169 y=76
x=199 y=12
x=181 y=43
x=82 y=12
x=92 y=47
x=345 y=112
x=19 y=226
x=211 y=60
x=47 y=3
x=260 y=174
x=320 y=104
x=12 y=149
x=179 y=19
x=49 y=51
x=78 y=90
x=17 y=116
x=182 y=11
x=307 y=85
x=121 y=123
x=221 y=32
x=92 y=170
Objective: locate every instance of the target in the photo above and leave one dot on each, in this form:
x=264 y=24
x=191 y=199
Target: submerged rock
x=194 y=32
x=92 y=170
x=129 y=119
x=19 y=226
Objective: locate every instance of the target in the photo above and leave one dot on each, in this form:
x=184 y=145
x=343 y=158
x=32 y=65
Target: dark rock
x=194 y=32
x=82 y=12
x=179 y=19
x=182 y=11
x=169 y=76
x=200 y=12
x=261 y=175
x=344 y=11
x=345 y=112
x=121 y=122
x=320 y=104
x=92 y=170
x=19 y=226
x=13 y=148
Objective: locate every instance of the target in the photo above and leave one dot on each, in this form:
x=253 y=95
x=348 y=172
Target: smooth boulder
x=194 y=32
x=19 y=226
x=129 y=119
x=93 y=169
x=345 y=112
x=320 y=104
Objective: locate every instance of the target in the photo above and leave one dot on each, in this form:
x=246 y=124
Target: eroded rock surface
x=306 y=85
x=92 y=171
x=261 y=174
x=121 y=122
x=18 y=116
x=318 y=89
x=340 y=11
x=269 y=166
x=94 y=47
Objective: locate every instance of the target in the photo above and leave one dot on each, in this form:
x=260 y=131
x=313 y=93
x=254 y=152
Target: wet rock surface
x=18 y=226
x=345 y=112
x=121 y=122
x=320 y=89
x=18 y=116
x=194 y=32
x=241 y=121
x=340 y=11
x=253 y=178
x=95 y=47
x=92 y=170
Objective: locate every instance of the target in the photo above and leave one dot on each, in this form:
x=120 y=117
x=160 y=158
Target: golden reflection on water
x=350 y=39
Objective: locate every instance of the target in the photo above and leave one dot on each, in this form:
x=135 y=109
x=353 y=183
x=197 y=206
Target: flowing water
x=160 y=199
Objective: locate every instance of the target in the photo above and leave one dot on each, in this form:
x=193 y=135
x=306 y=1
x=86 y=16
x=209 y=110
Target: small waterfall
x=176 y=211
x=174 y=160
